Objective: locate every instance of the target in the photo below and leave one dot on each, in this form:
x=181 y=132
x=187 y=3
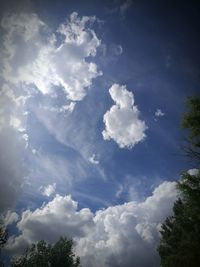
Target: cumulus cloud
x=48 y=190
x=122 y=122
x=116 y=236
x=123 y=234
x=32 y=55
x=58 y=217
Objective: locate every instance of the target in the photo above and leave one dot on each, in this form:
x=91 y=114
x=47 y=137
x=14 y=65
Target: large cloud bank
x=40 y=67
x=116 y=236
x=122 y=122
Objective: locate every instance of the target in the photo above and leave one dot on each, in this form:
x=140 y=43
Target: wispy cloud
x=121 y=7
x=93 y=159
x=44 y=73
x=48 y=190
x=159 y=113
x=125 y=6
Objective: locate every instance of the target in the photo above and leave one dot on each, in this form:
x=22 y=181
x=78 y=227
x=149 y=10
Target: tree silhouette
x=180 y=233
x=3 y=239
x=191 y=121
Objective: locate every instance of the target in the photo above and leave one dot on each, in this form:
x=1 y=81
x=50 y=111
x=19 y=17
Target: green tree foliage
x=180 y=233
x=42 y=254
x=191 y=121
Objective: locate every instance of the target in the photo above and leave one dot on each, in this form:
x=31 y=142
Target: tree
x=3 y=235
x=3 y=239
x=191 y=121
x=42 y=254
x=180 y=233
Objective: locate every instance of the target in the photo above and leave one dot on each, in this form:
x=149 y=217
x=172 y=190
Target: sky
x=91 y=99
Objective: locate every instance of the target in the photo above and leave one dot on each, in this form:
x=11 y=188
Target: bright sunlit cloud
x=122 y=123
x=100 y=237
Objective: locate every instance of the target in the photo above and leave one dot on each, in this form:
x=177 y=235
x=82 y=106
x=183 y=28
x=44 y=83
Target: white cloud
x=159 y=113
x=48 y=190
x=93 y=159
x=122 y=123
x=40 y=67
x=116 y=236
x=31 y=54
x=21 y=43
x=124 y=233
x=58 y=217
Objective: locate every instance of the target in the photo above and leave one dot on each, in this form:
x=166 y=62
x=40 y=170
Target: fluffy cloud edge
x=101 y=238
x=122 y=122
x=40 y=60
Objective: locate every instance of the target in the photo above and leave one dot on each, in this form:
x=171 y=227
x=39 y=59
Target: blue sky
x=92 y=96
